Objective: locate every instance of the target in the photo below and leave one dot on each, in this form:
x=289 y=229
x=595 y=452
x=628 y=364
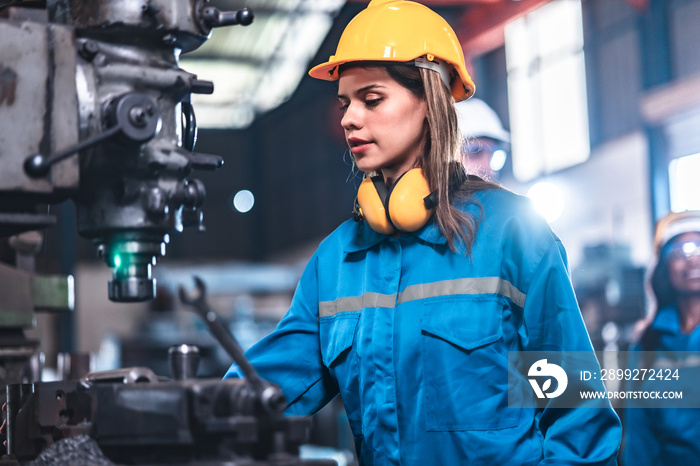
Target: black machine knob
x=184 y=360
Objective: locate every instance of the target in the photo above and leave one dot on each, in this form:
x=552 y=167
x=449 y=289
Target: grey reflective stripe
x=355 y=303
x=481 y=285
x=459 y=286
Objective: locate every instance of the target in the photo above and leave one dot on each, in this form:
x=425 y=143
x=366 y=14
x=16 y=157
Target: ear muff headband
x=403 y=208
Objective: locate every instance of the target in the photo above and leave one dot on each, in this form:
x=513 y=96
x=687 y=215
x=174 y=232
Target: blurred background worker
x=485 y=141
x=670 y=436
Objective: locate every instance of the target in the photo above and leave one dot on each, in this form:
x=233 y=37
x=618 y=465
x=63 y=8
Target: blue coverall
x=415 y=338
x=658 y=435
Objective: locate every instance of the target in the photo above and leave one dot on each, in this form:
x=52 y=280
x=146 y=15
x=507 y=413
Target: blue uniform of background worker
x=411 y=324
x=659 y=433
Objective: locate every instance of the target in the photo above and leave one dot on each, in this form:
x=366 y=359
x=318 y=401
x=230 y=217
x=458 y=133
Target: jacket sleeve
x=291 y=357
x=588 y=433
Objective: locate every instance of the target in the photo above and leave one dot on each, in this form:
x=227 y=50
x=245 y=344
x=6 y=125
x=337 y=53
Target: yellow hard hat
x=401 y=31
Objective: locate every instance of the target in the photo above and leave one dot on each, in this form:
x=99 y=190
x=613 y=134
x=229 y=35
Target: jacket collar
x=362 y=236
x=667 y=320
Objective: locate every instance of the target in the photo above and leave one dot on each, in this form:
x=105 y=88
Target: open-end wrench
x=270 y=395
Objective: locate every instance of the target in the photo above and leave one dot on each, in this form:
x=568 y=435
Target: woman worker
x=410 y=313
x=667 y=432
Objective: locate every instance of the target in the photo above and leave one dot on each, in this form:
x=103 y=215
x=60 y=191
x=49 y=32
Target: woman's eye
x=343 y=107
x=372 y=102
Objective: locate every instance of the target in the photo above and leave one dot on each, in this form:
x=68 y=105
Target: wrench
x=197 y=300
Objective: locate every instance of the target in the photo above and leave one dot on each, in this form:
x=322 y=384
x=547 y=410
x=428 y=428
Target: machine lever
x=213 y=17
x=133 y=115
x=189 y=134
x=38 y=164
x=205 y=161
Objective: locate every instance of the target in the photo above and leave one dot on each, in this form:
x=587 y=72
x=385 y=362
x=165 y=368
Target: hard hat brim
x=462 y=89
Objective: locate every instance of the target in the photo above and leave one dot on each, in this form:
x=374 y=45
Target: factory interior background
x=602 y=99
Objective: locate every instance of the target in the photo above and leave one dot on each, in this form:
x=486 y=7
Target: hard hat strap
x=441 y=67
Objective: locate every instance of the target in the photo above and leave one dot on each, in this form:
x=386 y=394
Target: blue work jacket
x=663 y=435
x=415 y=338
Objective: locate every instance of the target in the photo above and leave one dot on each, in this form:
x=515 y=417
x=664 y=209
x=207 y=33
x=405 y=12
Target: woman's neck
x=389 y=180
x=689 y=309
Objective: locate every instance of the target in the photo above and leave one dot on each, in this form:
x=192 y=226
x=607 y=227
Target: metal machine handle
x=189 y=133
x=132 y=115
x=127 y=375
x=38 y=164
x=213 y=17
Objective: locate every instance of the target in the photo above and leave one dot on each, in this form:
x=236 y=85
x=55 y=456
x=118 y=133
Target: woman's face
x=684 y=264
x=383 y=121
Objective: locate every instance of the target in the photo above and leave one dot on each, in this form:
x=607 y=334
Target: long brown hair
x=442 y=154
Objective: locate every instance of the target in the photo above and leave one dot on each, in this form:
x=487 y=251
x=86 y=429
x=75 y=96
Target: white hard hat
x=674 y=224
x=477 y=119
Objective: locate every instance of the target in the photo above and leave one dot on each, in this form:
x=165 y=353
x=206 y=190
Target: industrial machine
x=94 y=108
x=133 y=416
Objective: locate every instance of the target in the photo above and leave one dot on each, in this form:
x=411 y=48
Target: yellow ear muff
x=405 y=202
x=407 y=209
x=372 y=208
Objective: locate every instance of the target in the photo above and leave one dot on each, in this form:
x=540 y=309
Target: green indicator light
x=117 y=260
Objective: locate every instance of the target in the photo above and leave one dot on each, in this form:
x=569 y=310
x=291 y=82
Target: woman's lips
x=692 y=274
x=358 y=146
x=359 y=149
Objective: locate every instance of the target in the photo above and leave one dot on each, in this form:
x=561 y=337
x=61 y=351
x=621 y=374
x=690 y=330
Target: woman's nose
x=351 y=118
